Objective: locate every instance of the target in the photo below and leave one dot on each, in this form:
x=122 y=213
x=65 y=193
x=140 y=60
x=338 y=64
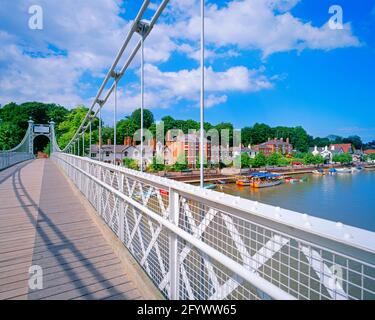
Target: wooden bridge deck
x=43 y=223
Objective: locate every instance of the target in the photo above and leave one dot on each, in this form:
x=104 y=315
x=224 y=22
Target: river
x=348 y=198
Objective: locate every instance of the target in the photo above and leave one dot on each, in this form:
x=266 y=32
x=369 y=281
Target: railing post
x=174 y=264
x=121 y=210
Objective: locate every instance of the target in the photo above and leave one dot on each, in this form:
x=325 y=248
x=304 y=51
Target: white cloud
x=166 y=89
x=263 y=25
x=91 y=35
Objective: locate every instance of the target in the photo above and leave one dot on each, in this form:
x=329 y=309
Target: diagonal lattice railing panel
x=194 y=246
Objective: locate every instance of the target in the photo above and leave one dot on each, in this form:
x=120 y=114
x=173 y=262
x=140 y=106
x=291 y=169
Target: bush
x=156 y=165
x=130 y=163
x=342 y=158
x=260 y=160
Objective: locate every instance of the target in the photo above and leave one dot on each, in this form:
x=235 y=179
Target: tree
x=274 y=159
x=148 y=118
x=69 y=126
x=10 y=135
x=342 y=158
x=309 y=158
x=246 y=161
x=260 y=133
x=246 y=136
x=355 y=140
x=259 y=160
x=299 y=139
x=125 y=128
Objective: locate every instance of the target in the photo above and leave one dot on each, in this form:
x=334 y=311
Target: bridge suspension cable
x=97 y=103
x=23 y=151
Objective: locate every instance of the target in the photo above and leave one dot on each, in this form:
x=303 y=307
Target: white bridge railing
x=10 y=158
x=202 y=244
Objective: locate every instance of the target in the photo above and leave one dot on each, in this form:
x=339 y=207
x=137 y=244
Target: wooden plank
x=42 y=222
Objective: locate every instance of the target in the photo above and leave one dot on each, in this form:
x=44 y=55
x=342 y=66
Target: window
x=126 y=153
x=93 y=155
x=107 y=153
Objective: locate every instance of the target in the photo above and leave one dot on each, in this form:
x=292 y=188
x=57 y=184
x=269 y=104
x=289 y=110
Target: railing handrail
x=207 y=221
x=287 y=219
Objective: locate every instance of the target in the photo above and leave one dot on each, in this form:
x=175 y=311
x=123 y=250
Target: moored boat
x=264 y=180
x=319 y=171
x=209 y=186
x=344 y=170
x=243 y=182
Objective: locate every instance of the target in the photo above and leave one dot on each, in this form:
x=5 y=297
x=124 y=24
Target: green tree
x=259 y=160
x=355 y=140
x=299 y=139
x=274 y=159
x=342 y=158
x=10 y=135
x=260 y=133
x=309 y=158
x=148 y=118
x=69 y=126
x=125 y=128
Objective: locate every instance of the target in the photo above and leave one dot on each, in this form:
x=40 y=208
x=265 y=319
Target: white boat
x=344 y=170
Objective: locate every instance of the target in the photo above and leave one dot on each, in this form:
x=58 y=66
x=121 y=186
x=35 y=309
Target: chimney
x=109 y=142
x=127 y=141
x=269 y=139
x=282 y=139
x=287 y=140
x=332 y=147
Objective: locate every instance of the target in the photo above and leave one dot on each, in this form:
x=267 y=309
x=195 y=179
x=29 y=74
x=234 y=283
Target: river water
x=349 y=198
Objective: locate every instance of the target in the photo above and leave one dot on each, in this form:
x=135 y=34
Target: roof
x=264 y=175
x=369 y=151
x=344 y=146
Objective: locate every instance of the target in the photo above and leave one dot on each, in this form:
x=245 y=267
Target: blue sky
x=268 y=61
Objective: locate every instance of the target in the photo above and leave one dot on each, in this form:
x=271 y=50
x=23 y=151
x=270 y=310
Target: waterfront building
x=186 y=146
x=274 y=145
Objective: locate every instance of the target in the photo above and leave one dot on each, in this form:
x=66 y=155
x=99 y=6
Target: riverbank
x=215 y=174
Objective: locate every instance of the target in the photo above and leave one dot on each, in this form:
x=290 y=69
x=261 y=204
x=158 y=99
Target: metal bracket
x=116 y=75
x=100 y=102
x=142 y=28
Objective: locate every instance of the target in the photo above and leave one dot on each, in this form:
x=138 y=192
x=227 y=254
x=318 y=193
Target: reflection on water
x=349 y=198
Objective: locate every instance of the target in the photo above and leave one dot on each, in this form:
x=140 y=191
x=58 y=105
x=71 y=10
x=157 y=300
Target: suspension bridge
x=102 y=231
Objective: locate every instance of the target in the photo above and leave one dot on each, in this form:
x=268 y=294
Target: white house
x=121 y=152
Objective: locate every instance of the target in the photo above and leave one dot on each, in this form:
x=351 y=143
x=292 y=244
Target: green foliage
x=156 y=165
x=47 y=149
x=342 y=158
x=69 y=126
x=274 y=159
x=130 y=163
x=309 y=158
x=356 y=141
x=125 y=128
x=259 y=160
x=246 y=161
x=148 y=118
x=181 y=163
x=10 y=135
x=14 y=120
